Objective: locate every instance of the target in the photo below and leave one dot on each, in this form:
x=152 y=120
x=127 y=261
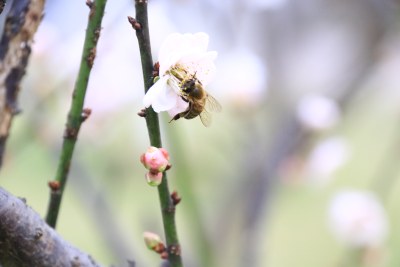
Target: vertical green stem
x=167 y=207
x=76 y=112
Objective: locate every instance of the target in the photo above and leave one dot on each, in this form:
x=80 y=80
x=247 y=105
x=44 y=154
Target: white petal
x=178 y=46
x=167 y=61
x=202 y=64
x=152 y=92
x=160 y=96
x=169 y=51
x=197 y=42
x=180 y=106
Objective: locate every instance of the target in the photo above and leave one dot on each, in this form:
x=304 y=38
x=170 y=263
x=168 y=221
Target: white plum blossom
x=358 y=218
x=181 y=56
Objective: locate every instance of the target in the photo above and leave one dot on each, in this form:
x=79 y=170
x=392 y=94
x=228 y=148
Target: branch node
x=70 y=133
x=135 y=24
x=176 y=199
x=38 y=233
x=75 y=262
x=97 y=34
x=156 y=69
x=85 y=114
x=89 y=3
x=174 y=249
x=170 y=209
x=142 y=113
x=23 y=199
x=90 y=58
x=54 y=185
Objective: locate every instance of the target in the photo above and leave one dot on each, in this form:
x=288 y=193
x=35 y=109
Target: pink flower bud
x=154 y=179
x=165 y=153
x=151 y=240
x=155 y=159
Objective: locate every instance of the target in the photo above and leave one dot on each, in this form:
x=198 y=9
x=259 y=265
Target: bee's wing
x=212 y=105
x=205 y=118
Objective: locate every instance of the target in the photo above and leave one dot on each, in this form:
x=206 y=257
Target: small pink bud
x=154 y=179
x=152 y=240
x=155 y=159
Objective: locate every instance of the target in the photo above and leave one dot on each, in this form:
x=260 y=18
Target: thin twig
x=140 y=24
x=77 y=113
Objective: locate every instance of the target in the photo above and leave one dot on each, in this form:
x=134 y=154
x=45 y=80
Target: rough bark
x=2 y=4
x=27 y=241
x=21 y=23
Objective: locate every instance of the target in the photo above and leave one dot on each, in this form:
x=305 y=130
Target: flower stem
x=76 y=113
x=153 y=127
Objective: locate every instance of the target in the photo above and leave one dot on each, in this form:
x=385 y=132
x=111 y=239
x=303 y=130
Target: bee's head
x=189 y=85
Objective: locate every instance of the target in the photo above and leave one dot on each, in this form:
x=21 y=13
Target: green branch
x=76 y=113
x=167 y=207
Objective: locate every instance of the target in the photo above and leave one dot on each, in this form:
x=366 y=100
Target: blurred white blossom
x=328 y=156
x=243 y=77
x=358 y=218
x=318 y=112
x=181 y=56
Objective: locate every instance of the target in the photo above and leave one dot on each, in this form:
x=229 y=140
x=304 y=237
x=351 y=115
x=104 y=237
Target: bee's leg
x=188 y=111
x=176 y=117
x=182 y=114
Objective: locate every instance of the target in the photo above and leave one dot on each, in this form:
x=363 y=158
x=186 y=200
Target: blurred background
x=300 y=169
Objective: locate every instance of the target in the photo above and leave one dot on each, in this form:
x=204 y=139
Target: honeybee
x=201 y=103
